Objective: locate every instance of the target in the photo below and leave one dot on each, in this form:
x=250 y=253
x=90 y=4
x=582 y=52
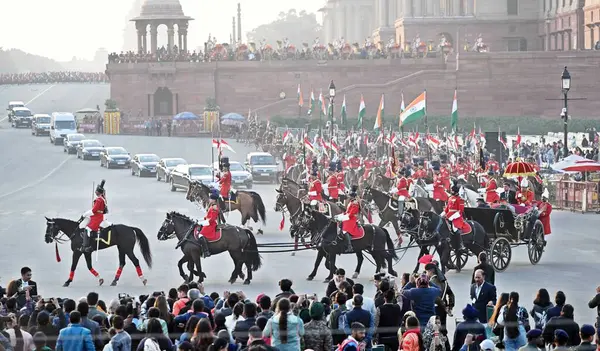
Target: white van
x=62 y=124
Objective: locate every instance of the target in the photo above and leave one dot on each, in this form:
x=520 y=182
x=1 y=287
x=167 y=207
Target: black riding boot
x=461 y=245
x=204 y=246
x=348 y=238
x=85 y=246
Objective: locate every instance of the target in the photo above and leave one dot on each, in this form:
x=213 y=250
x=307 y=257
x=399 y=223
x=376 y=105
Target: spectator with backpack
x=541 y=305
x=339 y=310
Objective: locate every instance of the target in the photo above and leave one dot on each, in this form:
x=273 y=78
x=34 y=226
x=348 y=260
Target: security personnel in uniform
x=350 y=227
x=209 y=224
x=93 y=219
x=332 y=183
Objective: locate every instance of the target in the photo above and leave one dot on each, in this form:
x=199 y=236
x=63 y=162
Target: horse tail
x=251 y=255
x=391 y=250
x=144 y=245
x=259 y=206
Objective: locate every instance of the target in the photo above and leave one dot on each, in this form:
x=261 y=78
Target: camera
x=378 y=277
x=158 y=293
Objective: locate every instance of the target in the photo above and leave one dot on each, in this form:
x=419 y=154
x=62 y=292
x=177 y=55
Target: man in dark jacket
x=358 y=314
x=564 y=322
x=340 y=276
x=240 y=331
x=83 y=308
x=25 y=283
x=559 y=301
x=587 y=333
x=387 y=321
x=286 y=291
x=256 y=340
x=595 y=303
x=470 y=325
x=483 y=294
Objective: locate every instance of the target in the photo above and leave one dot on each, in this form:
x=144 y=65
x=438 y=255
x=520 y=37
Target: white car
x=165 y=166
x=239 y=174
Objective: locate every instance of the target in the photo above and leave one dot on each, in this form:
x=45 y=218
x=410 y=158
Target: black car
x=89 y=149
x=22 y=117
x=144 y=165
x=115 y=157
x=71 y=143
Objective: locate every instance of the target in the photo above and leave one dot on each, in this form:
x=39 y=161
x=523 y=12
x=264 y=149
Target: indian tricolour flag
x=454 y=116
x=344 y=113
x=362 y=111
x=313 y=102
x=300 y=99
x=415 y=110
x=322 y=103
x=380 y=113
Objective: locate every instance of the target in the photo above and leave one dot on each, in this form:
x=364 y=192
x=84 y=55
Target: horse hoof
x=393 y=272
x=250 y=228
x=67 y=283
x=355 y=275
x=232 y=280
x=100 y=281
x=203 y=275
x=186 y=278
x=260 y=231
x=326 y=281
x=114 y=283
x=310 y=278
x=293 y=254
x=247 y=282
x=242 y=275
x=145 y=281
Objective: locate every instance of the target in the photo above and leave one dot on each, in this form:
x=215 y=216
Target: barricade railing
x=574 y=195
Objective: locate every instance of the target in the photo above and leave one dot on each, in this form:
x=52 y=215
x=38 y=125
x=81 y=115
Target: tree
x=210 y=104
x=298 y=27
x=17 y=61
x=110 y=104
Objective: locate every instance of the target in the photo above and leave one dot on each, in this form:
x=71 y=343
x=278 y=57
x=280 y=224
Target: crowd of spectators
x=405 y=315
x=53 y=77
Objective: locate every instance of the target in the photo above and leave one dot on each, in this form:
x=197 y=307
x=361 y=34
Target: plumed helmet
x=314 y=162
x=455 y=189
x=491 y=172
x=225 y=161
x=214 y=194
x=524 y=183
x=100 y=187
x=332 y=166
x=339 y=165
x=436 y=168
x=353 y=191
x=313 y=173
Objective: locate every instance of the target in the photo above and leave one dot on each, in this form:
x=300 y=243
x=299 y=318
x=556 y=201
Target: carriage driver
x=209 y=224
x=349 y=219
x=93 y=219
x=224 y=177
x=315 y=189
x=400 y=192
x=454 y=213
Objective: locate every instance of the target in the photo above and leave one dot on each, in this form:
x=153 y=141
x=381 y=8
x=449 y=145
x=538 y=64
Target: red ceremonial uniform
x=545 y=210
x=332 y=186
x=98 y=207
x=420 y=173
x=354 y=162
x=345 y=163
x=317 y=188
x=341 y=182
x=225 y=184
x=403 y=185
x=210 y=231
x=525 y=197
x=461 y=169
x=350 y=225
x=369 y=165
x=289 y=160
x=456 y=205
x=439 y=191
x=445 y=177
x=493 y=165
x=491 y=196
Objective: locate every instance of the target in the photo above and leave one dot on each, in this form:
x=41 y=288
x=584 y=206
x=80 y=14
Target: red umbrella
x=519 y=169
x=583 y=166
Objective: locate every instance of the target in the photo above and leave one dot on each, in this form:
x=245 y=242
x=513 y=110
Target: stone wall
x=495 y=84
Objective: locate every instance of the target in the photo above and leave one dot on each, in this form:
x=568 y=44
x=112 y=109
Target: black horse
x=326 y=238
x=119 y=235
x=446 y=243
x=239 y=242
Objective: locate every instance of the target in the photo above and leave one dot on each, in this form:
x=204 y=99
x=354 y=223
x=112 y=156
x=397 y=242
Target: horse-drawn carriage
x=507 y=230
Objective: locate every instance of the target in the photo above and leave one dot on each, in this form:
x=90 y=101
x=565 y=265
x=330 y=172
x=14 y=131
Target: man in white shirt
x=368 y=303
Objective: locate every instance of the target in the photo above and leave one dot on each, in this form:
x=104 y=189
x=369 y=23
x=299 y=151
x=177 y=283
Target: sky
x=63 y=29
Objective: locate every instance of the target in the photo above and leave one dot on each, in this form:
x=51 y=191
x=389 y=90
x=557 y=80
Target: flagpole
x=212 y=152
x=426 y=128
x=500 y=147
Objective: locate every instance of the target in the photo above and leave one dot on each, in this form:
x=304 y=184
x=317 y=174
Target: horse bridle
x=284 y=209
x=58 y=234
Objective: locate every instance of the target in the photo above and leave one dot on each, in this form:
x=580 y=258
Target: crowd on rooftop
x=52 y=78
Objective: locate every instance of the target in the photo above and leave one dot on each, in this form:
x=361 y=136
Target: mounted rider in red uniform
x=315 y=188
x=439 y=191
x=209 y=224
x=224 y=177
x=491 y=195
x=492 y=165
x=349 y=219
x=454 y=212
x=92 y=220
x=332 y=183
x=341 y=180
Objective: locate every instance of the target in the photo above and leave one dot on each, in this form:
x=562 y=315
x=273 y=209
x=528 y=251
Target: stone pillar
x=179 y=39
x=417 y=7
x=456 y=7
x=139 y=41
x=151 y=112
x=145 y=41
x=184 y=30
x=471 y=7
x=174 y=105
x=392 y=12
x=408 y=8
x=170 y=37
x=153 y=37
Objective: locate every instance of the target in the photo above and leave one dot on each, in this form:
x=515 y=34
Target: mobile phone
x=123 y=296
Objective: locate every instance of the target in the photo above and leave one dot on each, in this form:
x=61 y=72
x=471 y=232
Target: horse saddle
x=393 y=203
x=231 y=198
x=324 y=208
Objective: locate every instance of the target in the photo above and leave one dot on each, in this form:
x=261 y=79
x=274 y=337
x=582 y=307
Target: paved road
x=39 y=179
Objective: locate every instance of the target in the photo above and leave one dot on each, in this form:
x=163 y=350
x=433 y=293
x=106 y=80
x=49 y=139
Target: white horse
x=470 y=196
x=416 y=190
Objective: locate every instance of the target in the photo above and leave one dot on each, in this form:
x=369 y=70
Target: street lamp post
x=566 y=86
x=331 y=118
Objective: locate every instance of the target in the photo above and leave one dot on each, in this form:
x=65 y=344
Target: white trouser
x=86 y=220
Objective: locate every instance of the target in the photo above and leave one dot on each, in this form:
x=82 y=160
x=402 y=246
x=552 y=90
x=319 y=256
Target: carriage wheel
x=535 y=246
x=500 y=254
x=459 y=261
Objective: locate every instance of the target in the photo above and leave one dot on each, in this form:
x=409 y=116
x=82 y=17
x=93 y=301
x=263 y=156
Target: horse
x=469 y=194
x=295 y=172
x=475 y=242
x=471 y=180
x=249 y=203
x=239 y=242
x=325 y=236
x=122 y=236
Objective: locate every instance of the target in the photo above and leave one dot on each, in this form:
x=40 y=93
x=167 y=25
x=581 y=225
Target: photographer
x=25 y=284
x=445 y=302
x=44 y=310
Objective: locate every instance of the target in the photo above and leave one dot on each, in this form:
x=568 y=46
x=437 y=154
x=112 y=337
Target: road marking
x=34 y=98
x=32 y=184
x=28 y=213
